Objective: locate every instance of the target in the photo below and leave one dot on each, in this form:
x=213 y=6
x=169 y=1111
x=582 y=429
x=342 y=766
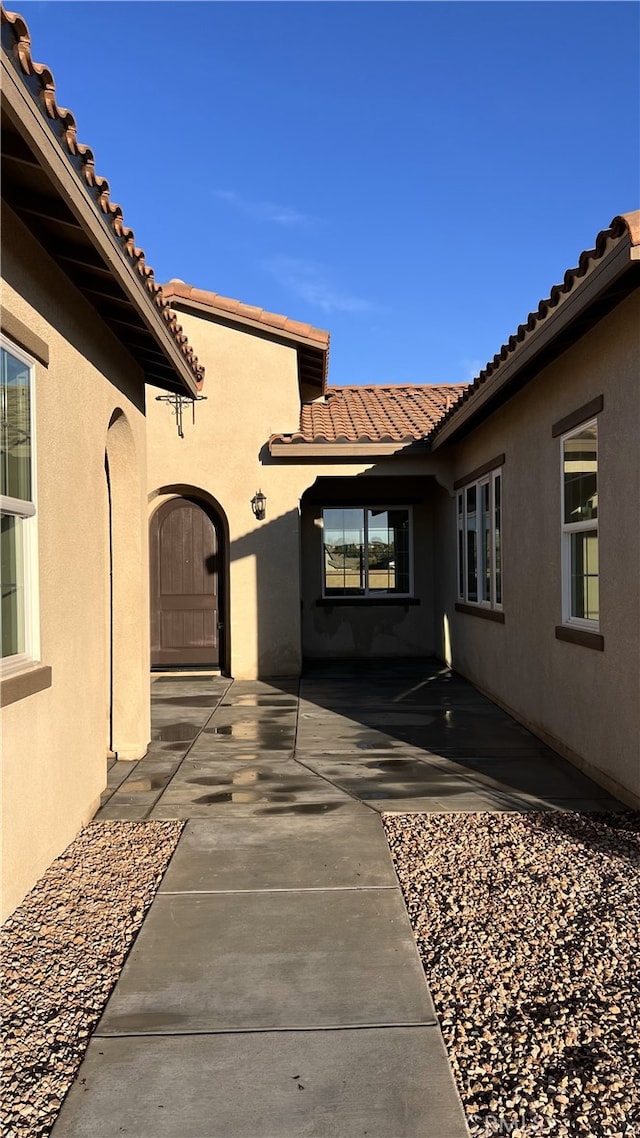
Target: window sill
x=477 y=610
x=580 y=636
x=23 y=684
x=359 y=602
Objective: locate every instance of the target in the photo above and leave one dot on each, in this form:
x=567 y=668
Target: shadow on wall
x=274 y=607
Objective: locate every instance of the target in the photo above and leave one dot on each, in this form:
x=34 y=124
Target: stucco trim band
x=14 y=688
x=477 y=610
x=587 y=411
x=486 y=468
x=580 y=636
x=24 y=337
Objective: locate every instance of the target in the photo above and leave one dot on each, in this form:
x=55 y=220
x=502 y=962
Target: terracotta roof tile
x=624 y=224
x=83 y=161
x=178 y=290
x=374 y=414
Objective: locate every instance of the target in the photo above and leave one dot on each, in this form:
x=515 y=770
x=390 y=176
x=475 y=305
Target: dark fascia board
x=603 y=275
x=29 y=120
x=331 y=451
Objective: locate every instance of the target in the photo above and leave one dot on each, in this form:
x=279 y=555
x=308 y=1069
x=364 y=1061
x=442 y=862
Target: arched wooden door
x=184 y=586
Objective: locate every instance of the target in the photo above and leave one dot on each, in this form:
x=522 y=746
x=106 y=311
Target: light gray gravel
x=528 y=928
x=62 y=952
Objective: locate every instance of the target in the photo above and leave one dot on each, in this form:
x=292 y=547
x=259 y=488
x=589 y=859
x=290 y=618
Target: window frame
x=569 y=528
x=482 y=602
x=26 y=510
x=368 y=594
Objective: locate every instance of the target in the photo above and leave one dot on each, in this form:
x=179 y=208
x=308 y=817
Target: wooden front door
x=184 y=586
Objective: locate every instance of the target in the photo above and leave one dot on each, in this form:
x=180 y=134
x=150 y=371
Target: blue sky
x=412 y=176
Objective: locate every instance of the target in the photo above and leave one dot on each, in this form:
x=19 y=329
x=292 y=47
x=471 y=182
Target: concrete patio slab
x=390 y=777
x=222 y=783
x=246 y=961
x=238 y=809
x=386 y=1083
x=302 y=853
x=205 y=752
x=531 y=776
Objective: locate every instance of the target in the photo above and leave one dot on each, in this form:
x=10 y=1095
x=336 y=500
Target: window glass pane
x=584 y=575
x=12 y=576
x=15 y=430
x=343 y=551
x=485 y=540
x=497 y=509
x=388 y=551
x=472 y=545
x=581 y=475
x=460 y=548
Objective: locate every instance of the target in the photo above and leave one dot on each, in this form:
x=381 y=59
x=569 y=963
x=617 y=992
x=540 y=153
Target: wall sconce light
x=259 y=505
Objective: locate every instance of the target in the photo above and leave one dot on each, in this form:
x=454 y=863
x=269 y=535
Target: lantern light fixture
x=259 y=505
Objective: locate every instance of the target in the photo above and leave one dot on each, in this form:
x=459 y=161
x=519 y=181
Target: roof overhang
x=343 y=451
x=43 y=185
x=606 y=276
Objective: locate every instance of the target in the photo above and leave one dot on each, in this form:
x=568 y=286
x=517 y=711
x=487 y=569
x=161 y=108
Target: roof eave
x=536 y=349
x=295 y=451
x=25 y=113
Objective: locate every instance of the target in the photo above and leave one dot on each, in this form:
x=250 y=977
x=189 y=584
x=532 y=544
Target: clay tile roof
x=623 y=225
x=83 y=160
x=374 y=414
x=178 y=290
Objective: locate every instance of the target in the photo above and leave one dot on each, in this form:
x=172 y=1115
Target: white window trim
x=27 y=510
x=489 y=479
x=567 y=528
x=373 y=593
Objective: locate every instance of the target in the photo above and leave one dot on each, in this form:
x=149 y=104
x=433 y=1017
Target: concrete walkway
x=275 y=990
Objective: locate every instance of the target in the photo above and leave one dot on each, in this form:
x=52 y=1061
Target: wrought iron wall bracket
x=178 y=403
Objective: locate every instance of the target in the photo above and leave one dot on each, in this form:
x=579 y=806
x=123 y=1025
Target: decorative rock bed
x=62 y=952
x=528 y=927
x=529 y=931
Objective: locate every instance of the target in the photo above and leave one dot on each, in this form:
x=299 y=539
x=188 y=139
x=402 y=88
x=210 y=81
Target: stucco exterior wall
x=251 y=392
x=584 y=702
x=54 y=742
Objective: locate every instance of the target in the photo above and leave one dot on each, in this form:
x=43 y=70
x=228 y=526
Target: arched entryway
x=187 y=559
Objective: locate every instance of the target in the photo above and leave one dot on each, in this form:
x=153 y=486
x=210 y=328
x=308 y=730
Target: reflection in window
x=366 y=551
x=580 y=524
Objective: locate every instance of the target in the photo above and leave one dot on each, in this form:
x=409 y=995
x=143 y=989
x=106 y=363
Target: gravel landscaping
x=62 y=952
x=528 y=928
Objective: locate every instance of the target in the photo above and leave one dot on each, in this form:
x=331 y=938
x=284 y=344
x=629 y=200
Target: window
x=580 y=526
x=366 y=552
x=479 y=509
x=17 y=506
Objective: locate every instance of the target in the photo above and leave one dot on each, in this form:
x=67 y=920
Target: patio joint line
x=275 y=1030
x=278 y=889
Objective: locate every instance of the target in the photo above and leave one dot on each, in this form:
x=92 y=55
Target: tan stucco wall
x=251 y=392
x=584 y=702
x=54 y=742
